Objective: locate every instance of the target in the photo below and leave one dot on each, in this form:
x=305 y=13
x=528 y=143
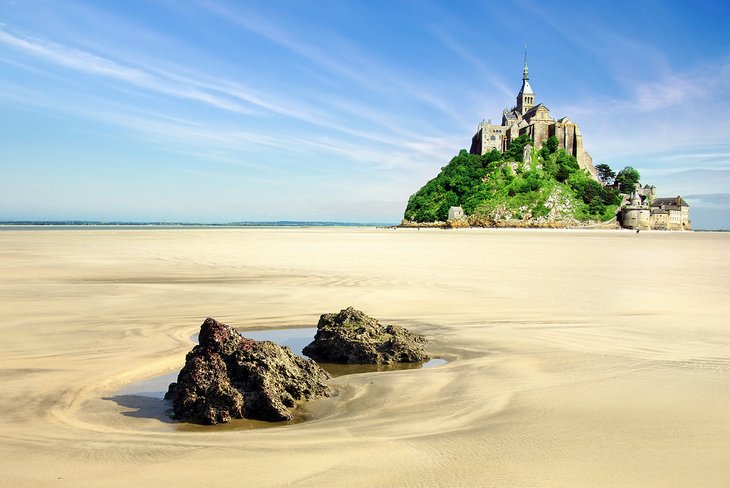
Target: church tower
x=526 y=97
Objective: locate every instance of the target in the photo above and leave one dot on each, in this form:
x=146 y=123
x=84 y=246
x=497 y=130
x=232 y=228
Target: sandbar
x=576 y=358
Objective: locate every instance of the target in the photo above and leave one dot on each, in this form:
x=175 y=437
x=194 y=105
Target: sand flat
x=578 y=358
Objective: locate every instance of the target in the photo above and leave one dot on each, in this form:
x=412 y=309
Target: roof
x=526 y=88
x=534 y=109
x=669 y=202
x=537 y=107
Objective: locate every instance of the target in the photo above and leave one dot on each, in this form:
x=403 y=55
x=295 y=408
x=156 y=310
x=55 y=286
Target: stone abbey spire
x=526 y=97
x=525 y=75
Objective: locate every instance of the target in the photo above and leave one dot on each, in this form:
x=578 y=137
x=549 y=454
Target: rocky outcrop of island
x=542 y=188
x=228 y=376
x=351 y=337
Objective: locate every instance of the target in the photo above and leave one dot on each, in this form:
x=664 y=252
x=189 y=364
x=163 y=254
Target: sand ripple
x=578 y=358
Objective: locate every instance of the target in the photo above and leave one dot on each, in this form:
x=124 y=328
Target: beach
x=575 y=358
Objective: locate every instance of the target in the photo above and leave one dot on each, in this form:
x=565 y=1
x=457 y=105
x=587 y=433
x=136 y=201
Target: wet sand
x=577 y=358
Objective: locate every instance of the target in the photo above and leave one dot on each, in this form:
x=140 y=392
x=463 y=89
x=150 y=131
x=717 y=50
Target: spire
x=526 y=97
x=525 y=76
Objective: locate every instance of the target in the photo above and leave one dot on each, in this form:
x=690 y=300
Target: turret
x=635 y=199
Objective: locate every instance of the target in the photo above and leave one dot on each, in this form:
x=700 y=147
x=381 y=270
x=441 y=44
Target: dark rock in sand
x=227 y=376
x=352 y=337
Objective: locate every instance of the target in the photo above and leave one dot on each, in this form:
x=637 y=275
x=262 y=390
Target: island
x=533 y=171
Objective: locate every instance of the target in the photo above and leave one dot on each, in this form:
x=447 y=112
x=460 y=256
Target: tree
x=550 y=166
x=491 y=157
x=550 y=146
x=460 y=178
x=605 y=174
x=516 y=146
x=596 y=207
x=611 y=196
x=566 y=166
x=585 y=187
x=627 y=179
x=450 y=200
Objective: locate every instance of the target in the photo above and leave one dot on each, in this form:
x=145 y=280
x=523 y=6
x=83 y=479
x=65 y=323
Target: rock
x=227 y=376
x=457 y=224
x=410 y=223
x=352 y=337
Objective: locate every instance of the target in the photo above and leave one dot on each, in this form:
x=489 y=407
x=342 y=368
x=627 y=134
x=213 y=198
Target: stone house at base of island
x=456 y=213
x=651 y=213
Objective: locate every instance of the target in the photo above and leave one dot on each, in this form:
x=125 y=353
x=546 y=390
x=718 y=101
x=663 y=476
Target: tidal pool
x=152 y=390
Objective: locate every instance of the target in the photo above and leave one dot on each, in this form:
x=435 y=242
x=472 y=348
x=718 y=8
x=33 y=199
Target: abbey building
x=532 y=119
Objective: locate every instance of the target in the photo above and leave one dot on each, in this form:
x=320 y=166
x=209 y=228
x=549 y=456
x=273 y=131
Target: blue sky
x=212 y=110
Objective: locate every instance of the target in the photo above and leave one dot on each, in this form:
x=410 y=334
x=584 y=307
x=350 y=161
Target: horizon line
x=283 y=222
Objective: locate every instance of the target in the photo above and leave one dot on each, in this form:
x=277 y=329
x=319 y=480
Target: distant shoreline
x=79 y=225
x=122 y=224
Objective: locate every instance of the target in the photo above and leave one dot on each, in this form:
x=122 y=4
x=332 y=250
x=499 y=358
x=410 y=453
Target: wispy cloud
x=90 y=63
x=202 y=89
x=651 y=96
x=351 y=63
x=475 y=61
x=231 y=146
x=692 y=88
x=73 y=58
x=711 y=200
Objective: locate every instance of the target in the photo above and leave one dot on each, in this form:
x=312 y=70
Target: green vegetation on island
x=501 y=188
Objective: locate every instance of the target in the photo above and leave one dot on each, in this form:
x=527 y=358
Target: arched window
x=492 y=138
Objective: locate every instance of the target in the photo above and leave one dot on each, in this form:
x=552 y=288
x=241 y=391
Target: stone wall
x=488 y=137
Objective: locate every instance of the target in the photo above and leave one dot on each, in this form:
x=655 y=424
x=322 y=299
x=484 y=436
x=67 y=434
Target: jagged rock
x=229 y=376
x=352 y=337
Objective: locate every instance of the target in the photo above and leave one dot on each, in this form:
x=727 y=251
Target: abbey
x=534 y=120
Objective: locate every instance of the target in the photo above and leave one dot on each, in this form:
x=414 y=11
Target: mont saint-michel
x=532 y=119
x=532 y=170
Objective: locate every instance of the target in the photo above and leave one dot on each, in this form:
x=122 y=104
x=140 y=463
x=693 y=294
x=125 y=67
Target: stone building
x=535 y=120
x=655 y=213
x=636 y=214
x=647 y=193
x=456 y=213
x=670 y=214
